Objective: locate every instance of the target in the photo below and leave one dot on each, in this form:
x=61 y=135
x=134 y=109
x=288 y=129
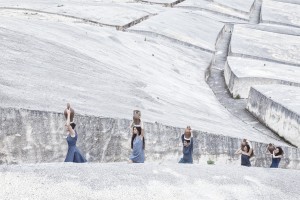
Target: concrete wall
x=282 y=120
x=34 y=136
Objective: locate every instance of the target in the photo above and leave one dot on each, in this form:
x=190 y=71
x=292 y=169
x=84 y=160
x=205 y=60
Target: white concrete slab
x=265 y=45
x=280 y=13
x=186 y=26
x=242 y=73
x=146 y=181
x=278 y=106
x=216 y=8
x=116 y=13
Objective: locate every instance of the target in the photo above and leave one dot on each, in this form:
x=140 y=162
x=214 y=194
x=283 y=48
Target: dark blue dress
x=275 y=162
x=137 y=155
x=187 y=152
x=73 y=154
x=245 y=160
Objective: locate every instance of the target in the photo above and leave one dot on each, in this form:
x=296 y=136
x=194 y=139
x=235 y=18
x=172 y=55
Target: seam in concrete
x=137 y=21
x=118 y=27
x=213 y=12
x=279 y=23
x=164 y=4
x=153 y=34
x=255 y=13
x=262 y=58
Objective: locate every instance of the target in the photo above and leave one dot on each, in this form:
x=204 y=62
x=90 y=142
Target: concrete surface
x=118 y=181
x=278 y=107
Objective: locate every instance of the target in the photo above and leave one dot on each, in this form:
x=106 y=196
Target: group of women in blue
x=138 y=145
x=246 y=151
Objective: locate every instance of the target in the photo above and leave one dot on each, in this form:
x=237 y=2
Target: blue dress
x=187 y=152
x=245 y=160
x=73 y=154
x=137 y=155
x=275 y=162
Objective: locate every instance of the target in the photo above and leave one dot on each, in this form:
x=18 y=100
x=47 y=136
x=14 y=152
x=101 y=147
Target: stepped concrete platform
x=264 y=45
x=280 y=13
x=115 y=181
x=191 y=28
x=242 y=73
x=278 y=107
x=34 y=136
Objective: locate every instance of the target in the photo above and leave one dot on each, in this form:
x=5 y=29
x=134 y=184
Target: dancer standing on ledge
x=137 y=146
x=276 y=157
x=188 y=145
x=246 y=152
x=73 y=154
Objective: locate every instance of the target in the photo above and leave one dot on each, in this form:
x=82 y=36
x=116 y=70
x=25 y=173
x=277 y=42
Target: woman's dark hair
x=139 y=129
x=280 y=151
x=73 y=125
x=248 y=149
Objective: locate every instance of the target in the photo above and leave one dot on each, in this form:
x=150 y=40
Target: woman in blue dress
x=188 y=145
x=137 y=146
x=73 y=154
x=246 y=152
x=276 y=157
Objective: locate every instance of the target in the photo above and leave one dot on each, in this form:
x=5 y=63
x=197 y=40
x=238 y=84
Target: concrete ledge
x=242 y=73
x=277 y=106
x=28 y=136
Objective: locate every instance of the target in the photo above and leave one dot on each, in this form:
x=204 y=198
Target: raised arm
x=71 y=131
x=239 y=151
x=273 y=155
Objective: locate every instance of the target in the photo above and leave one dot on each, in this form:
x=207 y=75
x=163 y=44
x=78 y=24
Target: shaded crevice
x=255 y=13
x=216 y=81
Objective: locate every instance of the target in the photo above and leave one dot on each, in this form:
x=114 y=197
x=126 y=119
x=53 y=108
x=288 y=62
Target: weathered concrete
x=184 y=26
x=242 y=73
x=264 y=45
x=150 y=181
x=35 y=136
x=278 y=107
x=280 y=13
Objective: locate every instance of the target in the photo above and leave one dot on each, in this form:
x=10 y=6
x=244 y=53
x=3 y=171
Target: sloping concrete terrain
x=104 y=72
x=147 y=73
x=116 y=181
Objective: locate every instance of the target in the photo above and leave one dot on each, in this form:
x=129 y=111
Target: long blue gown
x=245 y=160
x=275 y=162
x=137 y=155
x=187 y=152
x=74 y=154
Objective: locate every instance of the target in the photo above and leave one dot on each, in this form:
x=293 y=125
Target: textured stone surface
x=185 y=27
x=265 y=45
x=115 y=181
x=278 y=107
x=281 y=13
x=35 y=136
x=242 y=73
